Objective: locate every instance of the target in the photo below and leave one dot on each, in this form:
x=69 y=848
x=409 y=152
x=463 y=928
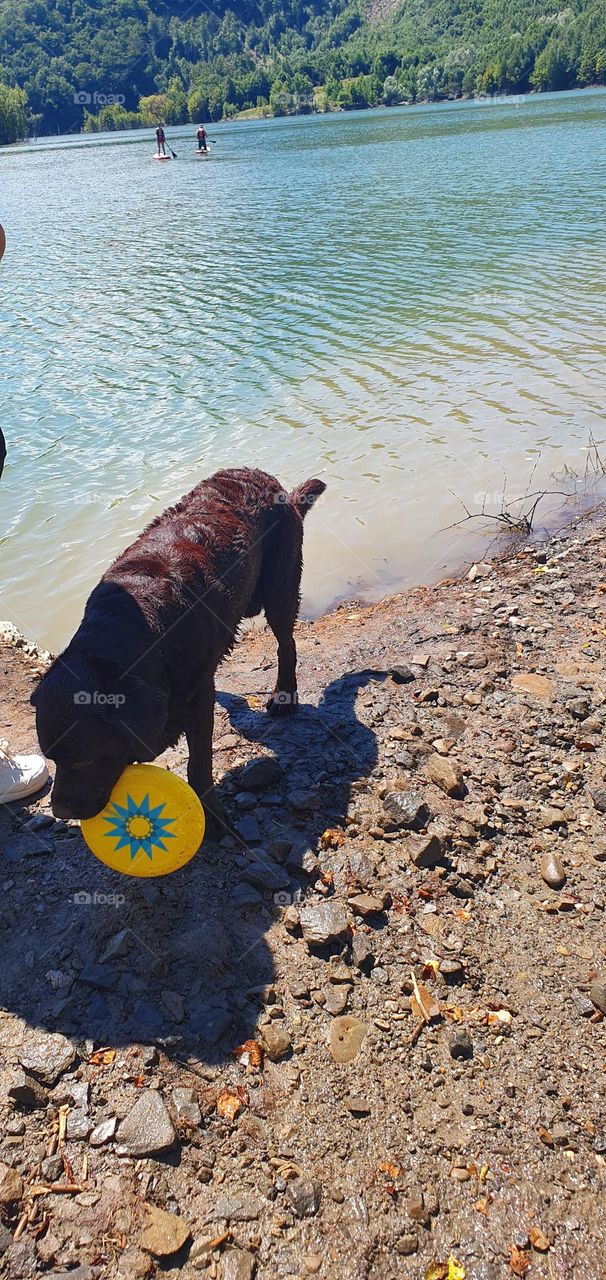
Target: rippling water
x=405 y=302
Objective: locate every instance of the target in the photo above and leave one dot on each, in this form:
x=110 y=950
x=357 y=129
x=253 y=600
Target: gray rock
x=186 y=1106
x=147 y=1127
x=401 y=674
x=307 y=801
x=46 y=1056
x=598 y=795
x=264 y=772
x=103 y=1132
x=118 y=946
x=100 y=976
x=405 y=809
x=597 y=994
x=238 y=1264
x=264 y=875
x=361 y=951
x=26 y=1091
x=323 y=923
x=248 y=828
x=304 y=1196
x=460 y=1045
x=242 y=1207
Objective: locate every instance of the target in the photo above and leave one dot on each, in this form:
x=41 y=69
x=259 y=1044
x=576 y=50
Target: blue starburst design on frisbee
x=139 y=826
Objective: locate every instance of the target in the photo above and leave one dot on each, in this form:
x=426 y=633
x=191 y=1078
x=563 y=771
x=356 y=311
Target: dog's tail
x=304 y=496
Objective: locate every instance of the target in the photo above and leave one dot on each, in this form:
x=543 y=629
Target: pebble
x=401 y=674
x=262 y=875
x=306 y=801
x=597 y=994
x=346 y=1038
x=186 y=1106
x=406 y=1245
x=357 y=1105
x=148 y=1127
x=238 y=1264
x=460 y=1045
x=244 y=1206
x=27 y=1091
x=103 y=1132
x=47 y=1056
x=11 y=1184
x=367 y=904
x=164 y=1233
x=361 y=951
x=425 y=851
x=552 y=871
x=264 y=772
x=405 y=809
x=276 y=1041
x=323 y=923
x=447 y=775
x=304 y=1196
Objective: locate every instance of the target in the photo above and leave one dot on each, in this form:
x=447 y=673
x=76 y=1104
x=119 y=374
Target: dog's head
x=91 y=727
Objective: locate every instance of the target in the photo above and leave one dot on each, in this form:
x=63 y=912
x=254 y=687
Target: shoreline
x=365 y=1033
x=246 y=116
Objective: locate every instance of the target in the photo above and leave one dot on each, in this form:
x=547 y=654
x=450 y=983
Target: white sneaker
x=20 y=776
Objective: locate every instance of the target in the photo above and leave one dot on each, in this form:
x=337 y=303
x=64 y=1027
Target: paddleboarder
x=161 y=140
x=201 y=136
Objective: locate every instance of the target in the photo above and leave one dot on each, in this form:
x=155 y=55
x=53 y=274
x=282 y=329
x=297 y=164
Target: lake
x=407 y=302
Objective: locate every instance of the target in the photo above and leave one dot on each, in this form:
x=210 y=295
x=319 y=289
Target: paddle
x=173 y=153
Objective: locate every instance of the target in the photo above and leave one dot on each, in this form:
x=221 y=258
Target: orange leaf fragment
x=249 y=1054
x=228 y=1105
x=102 y=1057
x=519 y=1261
x=332 y=838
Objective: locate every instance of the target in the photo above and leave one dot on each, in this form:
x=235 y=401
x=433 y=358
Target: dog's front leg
x=199 y=735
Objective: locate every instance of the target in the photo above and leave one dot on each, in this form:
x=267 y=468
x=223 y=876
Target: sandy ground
x=407 y=925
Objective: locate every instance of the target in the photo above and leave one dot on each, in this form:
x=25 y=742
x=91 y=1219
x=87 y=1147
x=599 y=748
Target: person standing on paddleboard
x=161 y=140
x=201 y=136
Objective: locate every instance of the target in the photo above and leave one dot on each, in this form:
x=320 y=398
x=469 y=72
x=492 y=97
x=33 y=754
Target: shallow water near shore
x=408 y=303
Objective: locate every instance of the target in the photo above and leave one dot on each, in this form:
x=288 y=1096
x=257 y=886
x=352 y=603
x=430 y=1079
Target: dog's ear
x=138 y=710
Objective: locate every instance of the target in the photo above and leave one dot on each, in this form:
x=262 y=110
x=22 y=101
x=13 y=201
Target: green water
x=406 y=302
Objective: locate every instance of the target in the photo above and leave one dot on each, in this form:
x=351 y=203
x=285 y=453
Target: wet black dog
x=140 y=669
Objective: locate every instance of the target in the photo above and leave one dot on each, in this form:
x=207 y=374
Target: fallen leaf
x=538 y=1240
x=332 y=839
x=430 y=969
x=327 y=878
x=450 y=1270
x=393 y=1170
x=546 y=1136
x=228 y=1105
x=483 y=1204
x=249 y=1054
x=519 y=1261
x=102 y=1057
x=140 y=1081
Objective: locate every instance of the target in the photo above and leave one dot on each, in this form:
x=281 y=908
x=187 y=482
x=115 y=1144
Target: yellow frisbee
x=152 y=824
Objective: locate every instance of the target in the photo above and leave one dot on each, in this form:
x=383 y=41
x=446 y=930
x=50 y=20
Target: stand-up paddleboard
x=159 y=157
x=203 y=155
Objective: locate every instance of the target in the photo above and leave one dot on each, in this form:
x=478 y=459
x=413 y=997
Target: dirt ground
x=406 y=923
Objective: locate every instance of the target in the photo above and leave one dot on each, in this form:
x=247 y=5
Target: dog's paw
x=282 y=703
x=217 y=822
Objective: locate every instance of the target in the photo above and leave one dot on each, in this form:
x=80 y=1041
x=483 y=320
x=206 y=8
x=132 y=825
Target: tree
x=13 y=114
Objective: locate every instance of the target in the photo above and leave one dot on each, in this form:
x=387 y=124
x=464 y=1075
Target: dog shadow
x=180 y=962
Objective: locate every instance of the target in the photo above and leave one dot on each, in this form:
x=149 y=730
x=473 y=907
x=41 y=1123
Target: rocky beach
x=363 y=1037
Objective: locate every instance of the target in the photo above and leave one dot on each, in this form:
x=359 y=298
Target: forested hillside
x=111 y=63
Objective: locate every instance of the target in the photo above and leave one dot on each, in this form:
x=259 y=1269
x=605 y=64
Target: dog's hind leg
x=280 y=588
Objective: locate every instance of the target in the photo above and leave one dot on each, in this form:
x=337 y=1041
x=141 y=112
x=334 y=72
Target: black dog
x=140 y=669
